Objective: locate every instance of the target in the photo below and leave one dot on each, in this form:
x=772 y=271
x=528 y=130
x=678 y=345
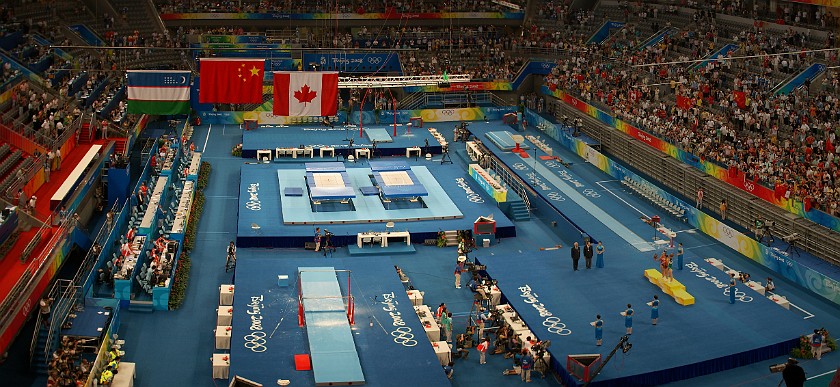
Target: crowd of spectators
x=67 y=368
x=725 y=112
x=344 y=6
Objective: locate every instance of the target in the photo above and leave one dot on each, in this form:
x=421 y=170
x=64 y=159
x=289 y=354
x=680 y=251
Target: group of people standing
x=588 y=251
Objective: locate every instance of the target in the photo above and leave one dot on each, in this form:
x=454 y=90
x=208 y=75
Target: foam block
x=302 y=362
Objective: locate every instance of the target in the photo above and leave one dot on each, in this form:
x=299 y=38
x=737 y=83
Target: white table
x=124 y=378
x=383 y=237
x=492 y=293
x=442 y=351
x=195 y=163
x=431 y=327
x=184 y=208
x=223 y=337
x=226 y=295
x=154 y=200
x=221 y=365
x=415 y=296
x=423 y=311
x=224 y=315
x=128 y=264
x=507 y=314
x=328 y=149
x=783 y=302
x=715 y=262
x=362 y=152
x=756 y=286
x=413 y=150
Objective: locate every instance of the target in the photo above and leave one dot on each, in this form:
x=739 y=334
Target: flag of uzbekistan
x=162 y=92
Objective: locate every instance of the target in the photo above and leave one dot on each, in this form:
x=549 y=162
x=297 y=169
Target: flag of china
x=740 y=98
x=231 y=80
x=683 y=102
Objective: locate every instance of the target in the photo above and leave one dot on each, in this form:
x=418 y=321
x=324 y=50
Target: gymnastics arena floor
x=292 y=136
x=388 y=353
x=452 y=192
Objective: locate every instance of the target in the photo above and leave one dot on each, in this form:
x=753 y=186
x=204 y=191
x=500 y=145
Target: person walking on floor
x=599 y=329
x=459 y=268
x=723 y=208
x=628 y=319
x=599 y=254
x=482 y=350
x=231 y=257
x=816 y=344
x=654 y=309
x=317 y=239
x=575 y=256
x=526 y=364
x=732 y=283
x=587 y=254
x=680 y=254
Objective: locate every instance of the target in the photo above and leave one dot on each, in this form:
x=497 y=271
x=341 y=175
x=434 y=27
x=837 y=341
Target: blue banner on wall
x=354 y=63
x=604 y=32
x=533 y=67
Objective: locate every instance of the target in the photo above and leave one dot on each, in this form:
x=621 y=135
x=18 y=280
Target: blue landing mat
x=89 y=323
x=260 y=217
x=380 y=135
x=319 y=136
x=261 y=306
x=709 y=336
x=504 y=141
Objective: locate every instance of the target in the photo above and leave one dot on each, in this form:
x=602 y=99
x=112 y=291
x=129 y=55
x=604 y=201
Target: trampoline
x=398 y=185
x=328 y=182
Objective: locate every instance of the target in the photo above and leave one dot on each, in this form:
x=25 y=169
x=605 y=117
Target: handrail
x=34 y=341
x=64 y=293
x=35 y=267
x=513 y=182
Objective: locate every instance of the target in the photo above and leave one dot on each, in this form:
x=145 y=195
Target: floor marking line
x=209 y=129
x=619 y=198
x=822 y=374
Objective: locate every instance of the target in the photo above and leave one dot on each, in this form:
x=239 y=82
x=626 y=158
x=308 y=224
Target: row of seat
x=10 y=178
x=648 y=192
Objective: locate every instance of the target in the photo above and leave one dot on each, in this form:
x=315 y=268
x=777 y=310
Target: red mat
x=546 y=157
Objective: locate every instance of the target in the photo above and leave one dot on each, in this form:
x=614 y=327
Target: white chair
x=389 y=226
x=366 y=240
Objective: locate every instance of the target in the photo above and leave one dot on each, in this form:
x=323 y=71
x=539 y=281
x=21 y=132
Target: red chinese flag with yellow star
x=231 y=80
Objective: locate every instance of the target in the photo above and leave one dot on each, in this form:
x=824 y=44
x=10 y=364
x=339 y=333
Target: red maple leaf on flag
x=304 y=95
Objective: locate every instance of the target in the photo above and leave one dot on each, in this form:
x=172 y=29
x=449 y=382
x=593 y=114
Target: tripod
x=540 y=365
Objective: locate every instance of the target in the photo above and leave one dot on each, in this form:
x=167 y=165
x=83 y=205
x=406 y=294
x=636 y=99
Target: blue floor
x=452 y=209
x=185 y=336
x=382 y=308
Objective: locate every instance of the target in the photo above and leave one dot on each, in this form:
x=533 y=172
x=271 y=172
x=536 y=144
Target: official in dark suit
x=587 y=254
x=575 y=256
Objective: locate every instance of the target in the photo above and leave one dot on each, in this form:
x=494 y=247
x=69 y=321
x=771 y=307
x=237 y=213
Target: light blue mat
x=378 y=135
x=504 y=141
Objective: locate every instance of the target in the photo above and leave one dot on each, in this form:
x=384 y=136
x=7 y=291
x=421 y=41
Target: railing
x=64 y=294
x=30 y=275
x=513 y=182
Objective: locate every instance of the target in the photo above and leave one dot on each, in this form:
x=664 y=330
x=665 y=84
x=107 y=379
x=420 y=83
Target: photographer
x=231 y=257
x=793 y=374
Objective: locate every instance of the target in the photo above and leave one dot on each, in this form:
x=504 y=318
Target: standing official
x=599 y=329
x=587 y=254
x=680 y=254
x=654 y=309
x=575 y=256
x=732 y=284
x=628 y=319
x=599 y=254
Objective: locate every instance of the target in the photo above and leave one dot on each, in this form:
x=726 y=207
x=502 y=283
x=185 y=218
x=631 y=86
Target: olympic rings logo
x=555 y=197
x=740 y=296
x=253 y=206
x=555 y=326
x=447 y=112
x=546 y=65
x=374 y=60
x=520 y=166
x=475 y=198
x=552 y=164
x=404 y=337
x=749 y=186
x=591 y=193
x=255 y=341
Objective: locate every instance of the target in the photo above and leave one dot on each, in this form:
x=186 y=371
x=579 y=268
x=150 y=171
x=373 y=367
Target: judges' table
x=756 y=286
x=226 y=295
x=221 y=365
x=492 y=293
x=151 y=211
x=415 y=296
x=184 y=207
x=514 y=322
x=223 y=315
x=431 y=327
x=383 y=237
x=223 y=337
x=124 y=378
x=442 y=351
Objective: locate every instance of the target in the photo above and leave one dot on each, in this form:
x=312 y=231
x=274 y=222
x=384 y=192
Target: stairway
x=39 y=364
x=451 y=238
x=119 y=145
x=519 y=211
x=86 y=135
x=141 y=306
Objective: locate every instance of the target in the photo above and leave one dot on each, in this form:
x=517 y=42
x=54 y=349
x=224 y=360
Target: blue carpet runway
x=392 y=346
